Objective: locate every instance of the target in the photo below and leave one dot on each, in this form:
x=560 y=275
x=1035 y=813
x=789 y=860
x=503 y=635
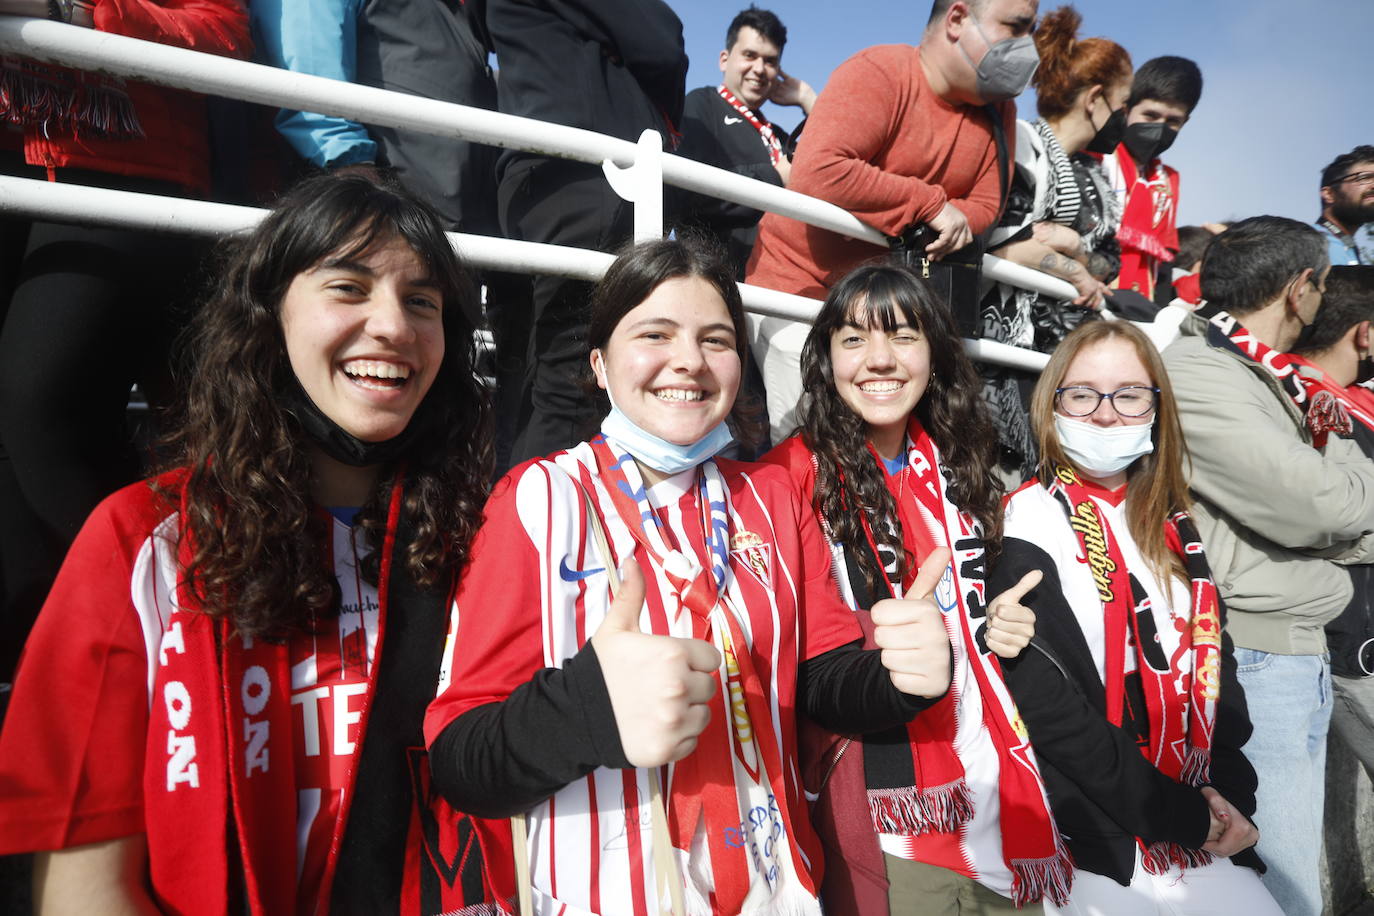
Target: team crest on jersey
x=748 y=548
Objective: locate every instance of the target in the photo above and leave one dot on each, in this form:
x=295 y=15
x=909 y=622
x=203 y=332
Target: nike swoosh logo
x=572 y=575
x=730 y=120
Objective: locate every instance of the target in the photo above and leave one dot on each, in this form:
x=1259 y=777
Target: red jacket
x=176 y=147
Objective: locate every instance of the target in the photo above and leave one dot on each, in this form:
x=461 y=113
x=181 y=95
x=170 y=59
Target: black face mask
x=1147 y=142
x=1109 y=135
x=1364 y=370
x=1308 y=330
x=338 y=443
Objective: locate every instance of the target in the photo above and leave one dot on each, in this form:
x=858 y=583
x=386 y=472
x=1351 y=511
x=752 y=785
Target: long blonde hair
x=1156 y=486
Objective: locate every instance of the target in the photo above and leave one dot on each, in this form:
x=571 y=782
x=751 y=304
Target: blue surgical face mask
x=1006 y=69
x=660 y=454
x=1100 y=451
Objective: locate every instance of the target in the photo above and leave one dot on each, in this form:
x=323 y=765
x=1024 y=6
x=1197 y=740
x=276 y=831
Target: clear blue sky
x=1288 y=84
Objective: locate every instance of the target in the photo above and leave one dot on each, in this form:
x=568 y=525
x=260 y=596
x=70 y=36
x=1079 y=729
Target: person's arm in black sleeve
x=1231 y=772
x=1072 y=733
x=503 y=758
x=848 y=691
x=703 y=140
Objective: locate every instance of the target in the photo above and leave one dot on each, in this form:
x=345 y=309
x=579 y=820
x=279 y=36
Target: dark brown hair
x=639 y=270
x=1156 y=485
x=256 y=537
x=848 y=481
x=1069 y=65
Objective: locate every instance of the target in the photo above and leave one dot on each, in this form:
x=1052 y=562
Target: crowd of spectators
x=1254 y=340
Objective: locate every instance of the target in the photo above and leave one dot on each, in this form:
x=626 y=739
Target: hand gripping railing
x=180 y=68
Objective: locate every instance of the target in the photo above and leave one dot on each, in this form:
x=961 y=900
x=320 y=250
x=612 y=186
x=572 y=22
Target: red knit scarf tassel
x=912 y=811
x=1033 y=880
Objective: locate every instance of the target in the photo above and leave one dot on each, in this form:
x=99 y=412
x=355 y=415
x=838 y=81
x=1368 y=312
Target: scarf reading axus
x=1180 y=699
x=1225 y=332
x=918 y=786
x=736 y=773
x=766 y=132
x=221 y=718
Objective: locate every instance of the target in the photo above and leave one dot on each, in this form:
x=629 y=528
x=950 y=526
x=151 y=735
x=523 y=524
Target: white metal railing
x=637 y=171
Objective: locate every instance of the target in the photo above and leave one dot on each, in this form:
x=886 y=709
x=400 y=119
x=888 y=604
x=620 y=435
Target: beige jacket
x=1278 y=516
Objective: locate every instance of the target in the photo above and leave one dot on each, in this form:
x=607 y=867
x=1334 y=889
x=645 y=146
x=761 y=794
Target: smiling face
x=671 y=364
x=365 y=337
x=880 y=374
x=750 y=67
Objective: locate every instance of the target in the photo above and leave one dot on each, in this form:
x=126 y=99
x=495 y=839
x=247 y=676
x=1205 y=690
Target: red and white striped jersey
x=590 y=843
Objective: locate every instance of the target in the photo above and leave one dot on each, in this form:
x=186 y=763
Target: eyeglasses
x=1356 y=178
x=1081 y=401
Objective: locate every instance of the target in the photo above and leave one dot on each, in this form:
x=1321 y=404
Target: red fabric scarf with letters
x=705 y=785
x=221 y=719
x=1181 y=701
x=1226 y=333
x=940 y=800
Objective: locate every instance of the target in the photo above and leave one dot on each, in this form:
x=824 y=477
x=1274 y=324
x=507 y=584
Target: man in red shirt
x=898 y=137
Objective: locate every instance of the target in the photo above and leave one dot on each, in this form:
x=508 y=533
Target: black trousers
x=92 y=312
x=563 y=203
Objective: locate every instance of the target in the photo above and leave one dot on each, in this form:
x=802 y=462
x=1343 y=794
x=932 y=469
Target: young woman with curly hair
x=896 y=453
x=1129 y=688
x=220 y=708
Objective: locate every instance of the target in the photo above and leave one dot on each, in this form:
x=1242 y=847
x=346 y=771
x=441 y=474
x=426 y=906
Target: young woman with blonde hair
x=1129 y=687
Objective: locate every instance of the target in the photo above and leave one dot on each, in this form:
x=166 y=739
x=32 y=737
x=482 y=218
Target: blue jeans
x=1290 y=708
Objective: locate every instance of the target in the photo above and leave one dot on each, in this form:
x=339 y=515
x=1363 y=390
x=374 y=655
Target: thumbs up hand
x=911 y=633
x=659 y=685
x=1010 y=623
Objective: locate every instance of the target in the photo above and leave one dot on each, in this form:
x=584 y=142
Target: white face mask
x=1103 y=450
x=660 y=454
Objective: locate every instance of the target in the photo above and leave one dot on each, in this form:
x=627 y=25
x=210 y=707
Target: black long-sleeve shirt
x=503 y=758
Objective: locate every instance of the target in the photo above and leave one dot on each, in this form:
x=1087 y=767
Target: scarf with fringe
x=61 y=101
x=1181 y=701
x=917 y=786
x=221 y=721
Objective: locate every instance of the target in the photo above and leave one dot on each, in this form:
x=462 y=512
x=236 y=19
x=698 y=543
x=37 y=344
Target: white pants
x=1218 y=888
x=777 y=345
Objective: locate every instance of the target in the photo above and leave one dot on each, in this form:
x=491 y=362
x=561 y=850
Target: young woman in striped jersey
x=575 y=709
x=895 y=453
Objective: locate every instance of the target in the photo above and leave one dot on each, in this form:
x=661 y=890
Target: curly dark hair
x=951 y=410
x=256 y=537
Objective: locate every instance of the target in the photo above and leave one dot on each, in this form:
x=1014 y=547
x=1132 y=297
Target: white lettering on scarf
x=254 y=692
x=181 y=749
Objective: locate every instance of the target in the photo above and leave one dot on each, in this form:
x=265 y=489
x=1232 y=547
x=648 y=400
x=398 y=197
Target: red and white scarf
x=1181 y=702
x=1225 y=332
x=733 y=779
x=1331 y=409
x=221 y=722
x=1148 y=231
x=760 y=124
x=940 y=800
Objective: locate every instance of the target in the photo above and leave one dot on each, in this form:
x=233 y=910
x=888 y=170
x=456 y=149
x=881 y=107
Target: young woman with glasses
x=1128 y=689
